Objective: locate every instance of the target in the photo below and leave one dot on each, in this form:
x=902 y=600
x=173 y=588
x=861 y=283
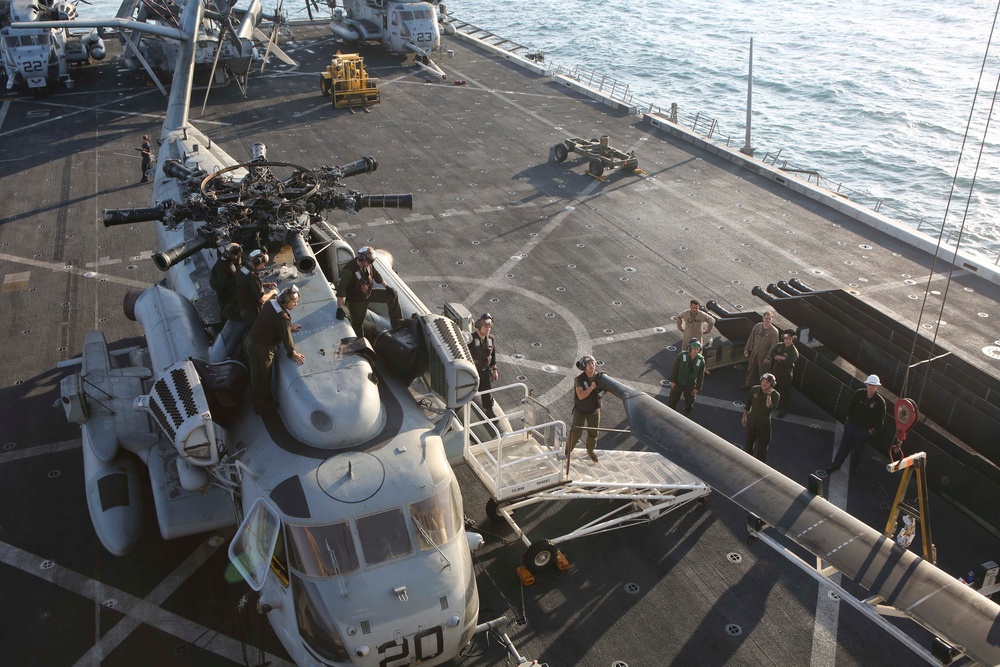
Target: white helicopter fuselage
x=36 y=56
x=352 y=527
x=402 y=27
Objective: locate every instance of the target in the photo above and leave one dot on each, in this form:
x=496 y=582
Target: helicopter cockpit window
x=406 y=16
x=316 y=624
x=322 y=551
x=10 y=41
x=384 y=537
x=438 y=518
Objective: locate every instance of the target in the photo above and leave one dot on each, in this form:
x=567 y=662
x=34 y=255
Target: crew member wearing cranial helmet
x=586 y=406
x=484 y=355
x=687 y=376
x=273 y=327
x=223 y=280
x=865 y=417
x=357 y=286
x=251 y=293
x=761 y=402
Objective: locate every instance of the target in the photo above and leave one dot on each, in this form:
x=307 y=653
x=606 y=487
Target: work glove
x=341 y=315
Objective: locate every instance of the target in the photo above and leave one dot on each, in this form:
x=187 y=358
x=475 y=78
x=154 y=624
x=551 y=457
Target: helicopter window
x=316 y=624
x=384 y=537
x=439 y=517
x=322 y=551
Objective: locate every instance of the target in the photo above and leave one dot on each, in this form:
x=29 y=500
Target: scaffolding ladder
x=519 y=457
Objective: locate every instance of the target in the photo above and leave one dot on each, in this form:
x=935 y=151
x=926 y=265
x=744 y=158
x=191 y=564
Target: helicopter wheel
x=492 y=511
x=540 y=556
x=596 y=167
x=324 y=86
x=561 y=152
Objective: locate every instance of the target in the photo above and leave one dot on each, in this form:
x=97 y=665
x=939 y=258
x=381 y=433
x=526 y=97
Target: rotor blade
x=272 y=47
x=211 y=78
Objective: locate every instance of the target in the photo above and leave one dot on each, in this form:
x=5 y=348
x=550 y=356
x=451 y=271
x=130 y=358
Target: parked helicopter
x=227 y=36
x=351 y=518
x=401 y=26
x=35 y=54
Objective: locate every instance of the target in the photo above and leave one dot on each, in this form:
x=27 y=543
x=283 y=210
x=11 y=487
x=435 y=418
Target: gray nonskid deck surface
x=565 y=263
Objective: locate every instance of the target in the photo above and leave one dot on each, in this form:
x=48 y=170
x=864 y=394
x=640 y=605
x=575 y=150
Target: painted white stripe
x=136 y=610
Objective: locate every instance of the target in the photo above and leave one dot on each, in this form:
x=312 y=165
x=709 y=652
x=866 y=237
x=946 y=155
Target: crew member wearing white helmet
x=761 y=402
x=251 y=293
x=865 y=416
x=273 y=327
x=483 y=348
x=586 y=406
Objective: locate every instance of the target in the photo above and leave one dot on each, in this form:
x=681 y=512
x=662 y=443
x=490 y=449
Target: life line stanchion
x=569 y=451
x=906 y=416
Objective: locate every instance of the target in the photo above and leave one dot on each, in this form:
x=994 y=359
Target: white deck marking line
x=53 y=266
x=827 y=617
x=40 y=450
x=142 y=610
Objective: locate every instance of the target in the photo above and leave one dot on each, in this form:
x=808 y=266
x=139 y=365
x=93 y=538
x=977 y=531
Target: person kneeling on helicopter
x=273 y=326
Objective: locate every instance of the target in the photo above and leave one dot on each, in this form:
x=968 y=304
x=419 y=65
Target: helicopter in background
x=226 y=45
x=350 y=517
x=35 y=54
x=401 y=26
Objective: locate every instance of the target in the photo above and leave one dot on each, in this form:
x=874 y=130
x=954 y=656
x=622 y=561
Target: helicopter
x=227 y=36
x=350 y=517
x=403 y=27
x=35 y=54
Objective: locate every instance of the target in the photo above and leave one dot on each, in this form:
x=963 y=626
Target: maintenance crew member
x=223 y=280
x=273 y=326
x=694 y=323
x=757 y=409
x=146 y=151
x=484 y=355
x=357 y=286
x=687 y=376
x=586 y=406
x=251 y=293
x=865 y=416
x=763 y=338
x=782 y=359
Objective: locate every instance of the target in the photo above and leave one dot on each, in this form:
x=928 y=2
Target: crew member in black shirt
x=865 y=416
x=484 y=355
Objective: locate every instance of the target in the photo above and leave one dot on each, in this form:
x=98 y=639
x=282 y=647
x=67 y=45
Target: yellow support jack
x=525 y=576
x=912 y=516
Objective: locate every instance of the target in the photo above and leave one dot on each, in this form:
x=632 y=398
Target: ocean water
x=878 y=97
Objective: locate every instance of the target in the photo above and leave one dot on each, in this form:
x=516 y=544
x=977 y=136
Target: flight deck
x=566 y=264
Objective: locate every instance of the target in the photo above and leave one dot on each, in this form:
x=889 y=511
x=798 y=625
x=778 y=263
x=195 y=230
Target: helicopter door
x=254 y=542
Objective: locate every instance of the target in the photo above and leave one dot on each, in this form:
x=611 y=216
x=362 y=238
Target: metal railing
x=709 y=128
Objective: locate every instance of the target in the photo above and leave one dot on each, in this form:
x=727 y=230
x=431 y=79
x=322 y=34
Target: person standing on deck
x=763 y=338
x=694 y=323
x=782 y=358
x=586 y=407
x=760 y=403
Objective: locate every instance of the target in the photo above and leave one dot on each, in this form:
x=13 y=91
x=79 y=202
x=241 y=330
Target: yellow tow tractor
x=347 y=82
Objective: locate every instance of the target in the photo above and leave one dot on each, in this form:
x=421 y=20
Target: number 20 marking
x=402 y=647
